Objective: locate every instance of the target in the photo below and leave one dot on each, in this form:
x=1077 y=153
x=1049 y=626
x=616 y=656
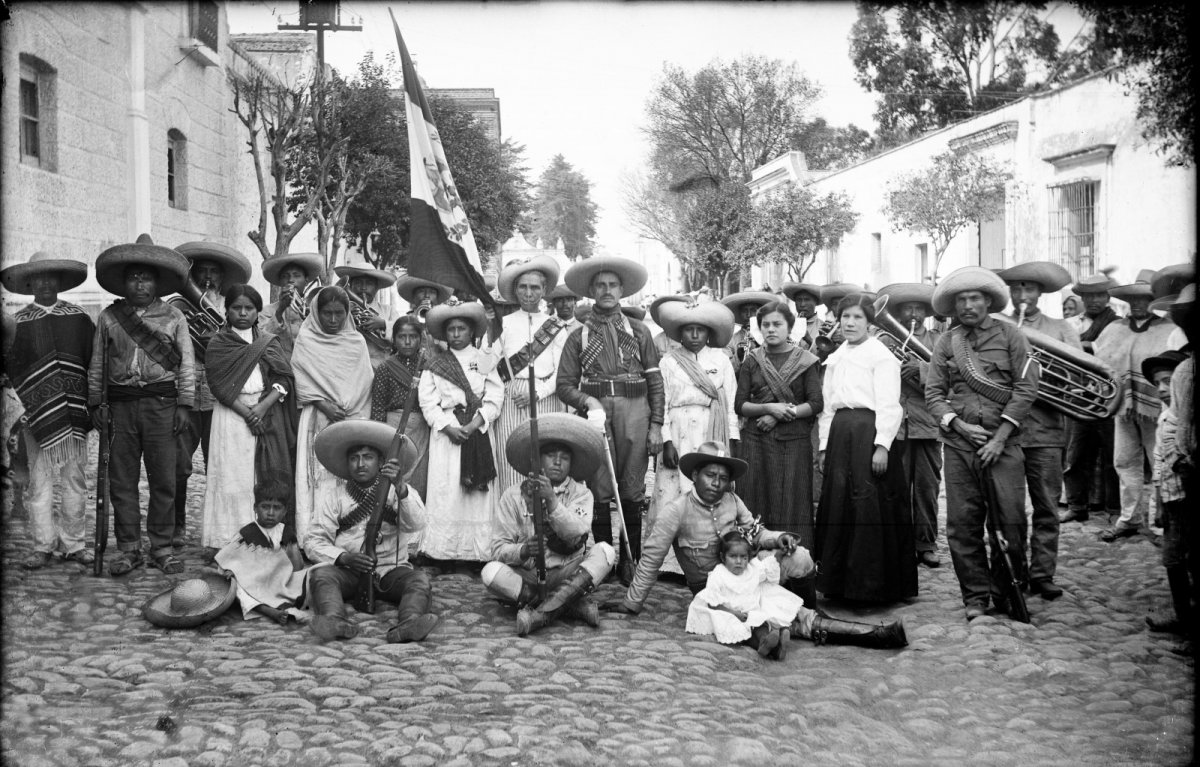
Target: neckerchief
x=1099 y=322
x=157 y=345
x=596 y=324
x=364 y=497
x=779 y=380
x=1133 y=324
x=542 y=338
x=718 y=424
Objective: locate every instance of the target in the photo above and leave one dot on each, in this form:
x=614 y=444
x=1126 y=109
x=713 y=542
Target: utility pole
x=321 y=16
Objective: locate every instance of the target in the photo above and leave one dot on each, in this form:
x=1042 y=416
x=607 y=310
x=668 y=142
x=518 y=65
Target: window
x=876 y=252
x=36 y=128
x=205 y=17
x=1073 y=226
x=833 y=267
x=176 y=170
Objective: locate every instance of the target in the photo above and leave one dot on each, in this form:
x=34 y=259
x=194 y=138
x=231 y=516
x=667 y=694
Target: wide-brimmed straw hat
x=657 y=304
x=792 y=289
x=584 y=439
x=561 y=291
x=331 y=444
x=507 y=279
x=907 y=293
x=1168 y=360
x=407 y=286
x=1171 y=279
x=1183 y=299
x=633 y=312
x=757 y=298
x=350 y=271
x=471 y=311
x=1048 y=274
x=312 y=264
x=172 y=266
x=237 y=267
x=1095 y=283
x=969 y=278
x=18 y=277
x=835 y=292
x=191 y=602
x=1139 y=288
x=713 y=315
x=579 y=277
x=712 y=452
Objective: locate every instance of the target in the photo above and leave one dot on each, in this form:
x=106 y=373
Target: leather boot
x=330 y=621
x=827 y=630
x=570 y=590
x=1181 y=585
x=806 y=589
x=602 y=522
x=585 y=610
x=633 y=525
x=415 y=620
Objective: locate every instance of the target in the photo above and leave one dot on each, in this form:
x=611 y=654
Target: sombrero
x=1168 y=360
x=633 y=312
x=712 y=452
x=407 y=285
x=579 y=277
x=791 y=289
x=713 y=315
x=350 y=271
x=334 y=440
x=1049 y=275
x=905 y=293
x=969 y=278
x=172 y=267
x=1096 y=283
x=1171 y=279
x=657 y=304
x=561 y=291
x=17 y=278
x=835 y=292
x=311 y=263
x=191 y=602
x=472 y=312
x=587 y=449
x=1139 y=288
x=1183 y=299
x=736 y=301
x=236 y=266
x=507 y=279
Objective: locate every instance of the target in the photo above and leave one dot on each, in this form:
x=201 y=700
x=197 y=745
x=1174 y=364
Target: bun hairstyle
x=776 y=306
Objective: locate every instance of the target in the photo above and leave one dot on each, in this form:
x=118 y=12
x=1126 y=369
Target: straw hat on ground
x=311 y=263
x=1171 y=279
x=792 y=289
x=1096 y=283
x=969 y=278
x=350 y=271
x=1049 y=275
x=18 y=277
x=755 y=298
x=584 y=439
x=1139 y=288
x=407 y=286
x=907 y=293
x=715 y=316
x=472 y=312
x=579 y=277
x=191 y=602
x=334 y=440
x=236 y=266
x=506 y=281
x=712 y=452
x=171 y=265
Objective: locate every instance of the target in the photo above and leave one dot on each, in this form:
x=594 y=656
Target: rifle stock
x=381 y=493
x=101 y=538
x=1017 y=609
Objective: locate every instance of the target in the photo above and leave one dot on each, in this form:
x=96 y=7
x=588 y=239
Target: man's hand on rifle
x=538 y=487
x=391 y=471
x=356 y=561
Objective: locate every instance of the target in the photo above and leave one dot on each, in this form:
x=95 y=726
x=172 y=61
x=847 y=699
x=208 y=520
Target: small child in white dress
x=744 y=603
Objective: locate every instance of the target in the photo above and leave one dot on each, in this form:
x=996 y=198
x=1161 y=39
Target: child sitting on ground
x=265 y=559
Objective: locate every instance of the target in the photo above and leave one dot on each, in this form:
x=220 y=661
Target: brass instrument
x=203 y=319
x=422 y=309
x=906 y=347
x=823 y=344
x=361 y=313
x=296 y=299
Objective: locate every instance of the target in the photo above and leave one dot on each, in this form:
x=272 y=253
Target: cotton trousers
x=1043 y=475
x=143 y=432
x=62 y=528
x=196 y=435
x=1088 y=465
x=404 y=586
x=629 y=424
x=923 y=463
x=1133 y=449
x=505 y=580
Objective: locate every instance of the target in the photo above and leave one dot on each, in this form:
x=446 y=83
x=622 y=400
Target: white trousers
x=52 y=528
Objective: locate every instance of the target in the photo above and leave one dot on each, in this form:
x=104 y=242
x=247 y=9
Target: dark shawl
x=477 y=466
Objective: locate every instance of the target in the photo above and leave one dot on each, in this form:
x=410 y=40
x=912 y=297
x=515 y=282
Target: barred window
x=176 y=170
x=1073 y=226
x=205 y=16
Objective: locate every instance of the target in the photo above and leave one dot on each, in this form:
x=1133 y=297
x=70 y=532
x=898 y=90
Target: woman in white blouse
x=864 y=532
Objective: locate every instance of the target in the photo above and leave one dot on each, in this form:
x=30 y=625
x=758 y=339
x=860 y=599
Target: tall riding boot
x=330 y=620
x=827 y=630
x=633 y=525
x=1181 y=595
x=806 y=589
x=578 y=585
x=602 y=522
x=415 y=620
x=585 y=610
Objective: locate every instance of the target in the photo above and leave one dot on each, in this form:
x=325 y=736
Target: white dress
x=459 y=520
x=229 y=491
x=755 y=592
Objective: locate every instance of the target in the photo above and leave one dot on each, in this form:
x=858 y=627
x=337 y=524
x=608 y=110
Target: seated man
x=570 y=451
x=353 y=450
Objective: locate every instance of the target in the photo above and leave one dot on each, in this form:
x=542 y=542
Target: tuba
x=906 y=347
x=203 y=319
x=360 y=313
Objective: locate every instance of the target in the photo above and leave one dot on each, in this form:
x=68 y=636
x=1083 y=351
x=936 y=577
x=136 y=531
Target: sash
x=542 y=338
x=718 y=424
x=779 y=380
x=595 y=339
x=230 y=361
x=157 y=345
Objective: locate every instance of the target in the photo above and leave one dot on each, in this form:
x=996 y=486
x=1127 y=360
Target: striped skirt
x=510 y=417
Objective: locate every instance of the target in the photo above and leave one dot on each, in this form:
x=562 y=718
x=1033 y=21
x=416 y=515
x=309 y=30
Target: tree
x=716 y=219
x=563 y=208
x=953 y=192
x=791 y=225
x=831 y=147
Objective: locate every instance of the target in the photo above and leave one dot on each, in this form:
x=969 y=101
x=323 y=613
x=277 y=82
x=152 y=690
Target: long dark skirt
x=865 y=545
x=778 y=485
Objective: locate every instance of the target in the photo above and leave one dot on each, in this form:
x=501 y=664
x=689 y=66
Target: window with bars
x=1073 y=226
x=205 y=17
x=176 y=170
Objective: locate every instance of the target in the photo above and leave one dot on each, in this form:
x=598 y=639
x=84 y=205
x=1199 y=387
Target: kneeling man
x=570 y=451
x=354 y=450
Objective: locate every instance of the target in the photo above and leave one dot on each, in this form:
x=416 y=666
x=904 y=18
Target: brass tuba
x=906 y=346
x=361 y=312
x=203 y=319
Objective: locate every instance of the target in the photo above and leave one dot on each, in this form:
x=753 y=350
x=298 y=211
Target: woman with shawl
x=251 y=379
x=460 y=394
x=333 y=383
x=395 y=379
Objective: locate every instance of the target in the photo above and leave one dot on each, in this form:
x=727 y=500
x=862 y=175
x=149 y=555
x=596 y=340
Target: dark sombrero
x=793 y=289
x=172 y=266
x=191 y=602
x=712 y=452
x=311 y=263
x=407 y=286
x=1049 y=275
x=1171 y=279
x=713 y=315
x=331 y=444
x=756 y=298
x=236 y=266
x=1139 y=288
x=833 y=293
x=18 y=277
x=1168 y=360
x=584 y=439
x=1096 y=283
x=907 y=293
x=561 y=291
x=350 y=271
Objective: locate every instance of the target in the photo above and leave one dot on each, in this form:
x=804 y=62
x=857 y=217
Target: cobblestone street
x=88 y=681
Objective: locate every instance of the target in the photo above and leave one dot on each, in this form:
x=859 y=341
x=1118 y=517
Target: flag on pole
x=441 y=246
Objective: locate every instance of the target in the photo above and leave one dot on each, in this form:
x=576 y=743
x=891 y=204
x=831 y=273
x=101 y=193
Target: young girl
x=394 y=380
x=743 y=601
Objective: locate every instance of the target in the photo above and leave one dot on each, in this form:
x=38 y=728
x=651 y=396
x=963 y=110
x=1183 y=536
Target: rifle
x=1017 y=609
x=381 y=493
x=537 y=509
x=101 y=539
x=626 y=566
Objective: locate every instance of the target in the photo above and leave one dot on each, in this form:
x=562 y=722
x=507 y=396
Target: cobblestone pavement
x=87 y=681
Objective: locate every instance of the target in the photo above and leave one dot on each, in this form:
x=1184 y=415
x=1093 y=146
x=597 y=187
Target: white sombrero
x=713 y=315
x=587 y=449
x=579 y=277
x=17 y=278
x=171 y=266
x=334 y=440
x=509 y=275
x=311 y=263
x=657 y=304
x=471 y=311
x=969 y=278
x=236 y=266
x=191 y=602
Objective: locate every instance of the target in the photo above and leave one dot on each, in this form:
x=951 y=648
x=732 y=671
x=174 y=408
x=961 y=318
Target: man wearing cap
x=744 y=306
x=910 y=303
x=981 y=389
x=1088 y=471
x=144 y=344
x=570 y=452
x=373 y=318
x=525 y=347
x=609 y=367
x=1123 y=346
x=47 y=366
x=1045 y=431
x=355 y=451
x=297 y=275
x=213 y=268
x=806 y=296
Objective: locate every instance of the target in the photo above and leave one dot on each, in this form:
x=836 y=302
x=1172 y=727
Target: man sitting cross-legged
x=570 y=451
x=354 y=450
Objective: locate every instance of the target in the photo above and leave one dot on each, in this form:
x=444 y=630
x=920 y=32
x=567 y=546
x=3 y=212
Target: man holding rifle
x=355 y=450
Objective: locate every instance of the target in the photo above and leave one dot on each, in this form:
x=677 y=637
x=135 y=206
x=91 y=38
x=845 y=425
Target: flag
x=441 y=246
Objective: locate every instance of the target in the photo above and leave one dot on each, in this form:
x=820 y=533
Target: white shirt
x=866 y=375
x=517 y=330
x=439 y=397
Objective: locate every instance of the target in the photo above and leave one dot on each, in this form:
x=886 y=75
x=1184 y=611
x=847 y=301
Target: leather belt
x=614 y=388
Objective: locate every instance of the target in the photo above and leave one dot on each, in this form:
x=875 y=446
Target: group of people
x=791 y=456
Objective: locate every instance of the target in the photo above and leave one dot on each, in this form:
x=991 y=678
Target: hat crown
x=190 y=595
x=144 y=239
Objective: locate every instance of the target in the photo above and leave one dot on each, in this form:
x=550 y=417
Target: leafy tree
x=791 y=225
x=948 y=195
x=563 y=208
x=716 y=220
x=830 y=147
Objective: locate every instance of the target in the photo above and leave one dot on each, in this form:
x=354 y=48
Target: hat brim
x=692 y=461
x=1136 y=290
x=157 y=609
x=407 y=286
x=311 y=263
x=713 y=315
x=633 y=312
x=584 y=439
x=1166 y=361
x=1171 y=279
x=386 y=279
x=907 y=293
x=171 y=266
x=969 y=278
x=331 y=444
x=236 y=266
x=793 y=289
x=579 y=277
x=657 y=304
x=736 y=301
x=1050 y=276
x=561 y=291
x=438 y=316
x=18 y=277
x=509 y=275
x=1083 y=287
